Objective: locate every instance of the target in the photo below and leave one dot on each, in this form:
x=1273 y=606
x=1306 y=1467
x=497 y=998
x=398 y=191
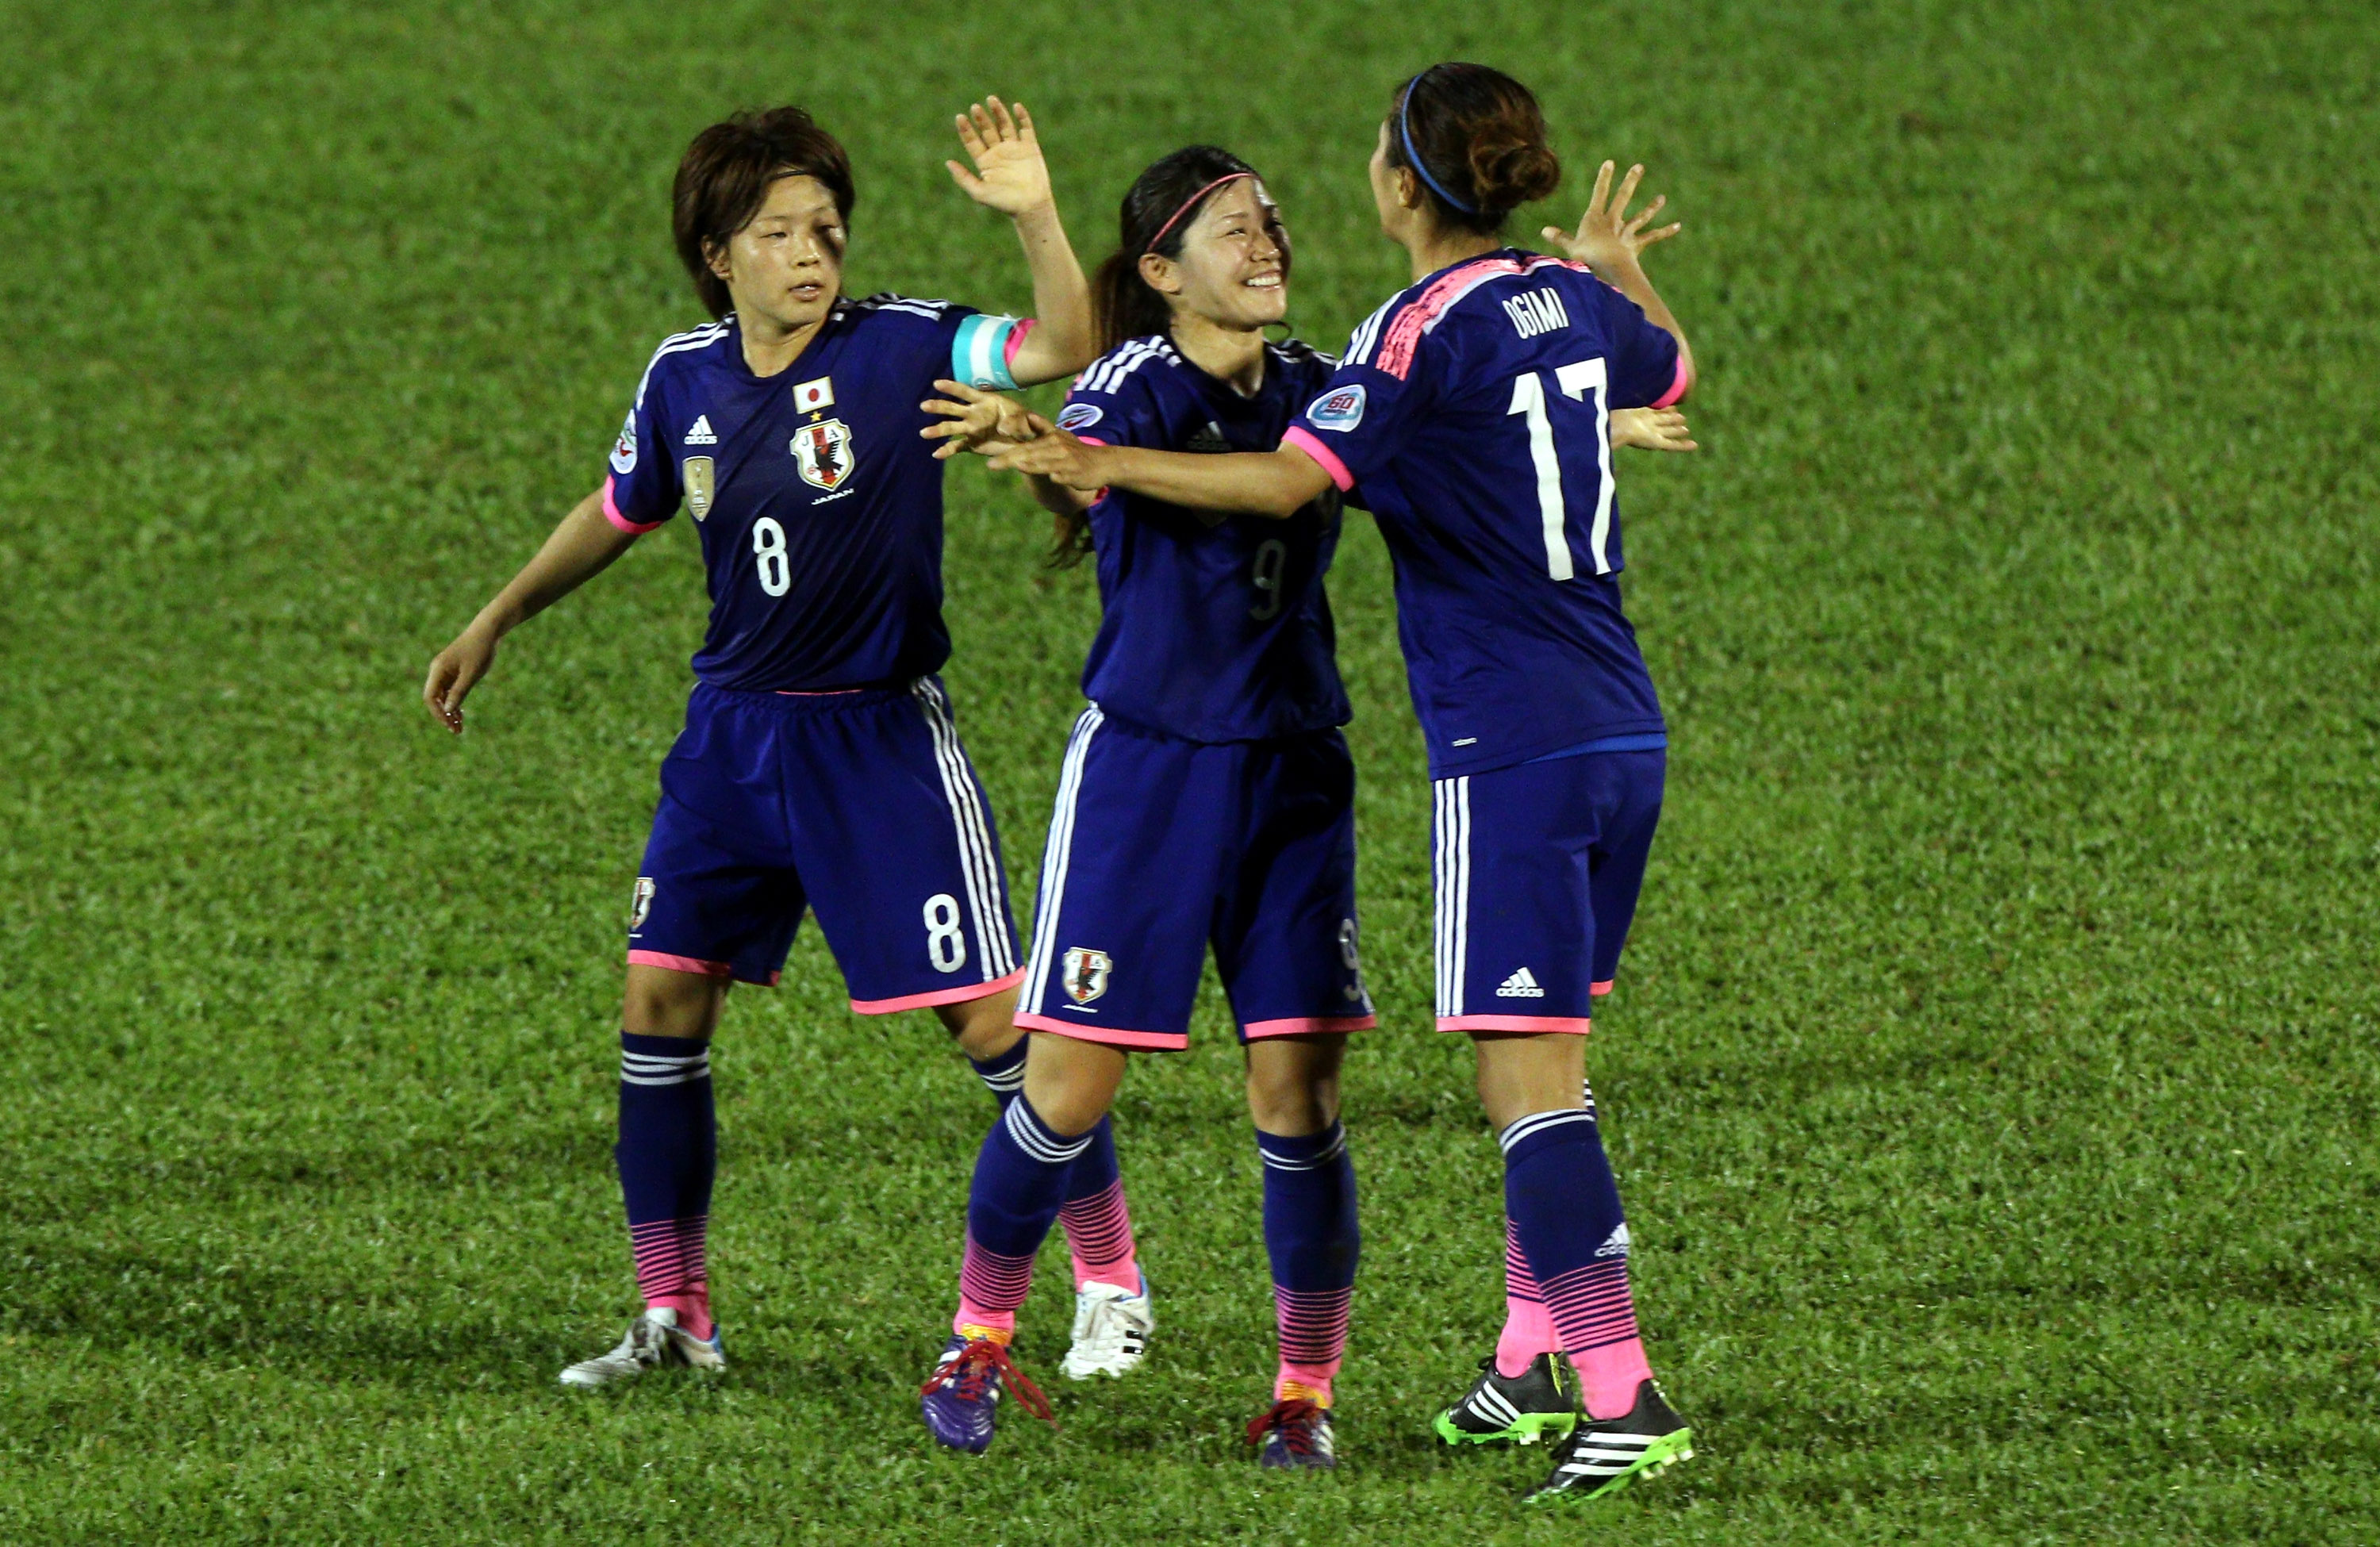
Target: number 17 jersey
x=1473 y=411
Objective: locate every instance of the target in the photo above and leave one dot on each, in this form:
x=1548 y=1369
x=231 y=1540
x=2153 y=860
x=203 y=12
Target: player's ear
x=714 y=257
x=1160 y=273
x=1408 y=189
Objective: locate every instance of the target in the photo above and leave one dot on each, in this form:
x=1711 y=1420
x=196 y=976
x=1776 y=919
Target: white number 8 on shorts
x=945 y=948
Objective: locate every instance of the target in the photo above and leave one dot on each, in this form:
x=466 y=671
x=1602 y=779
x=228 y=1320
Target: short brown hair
x=724 y=179
x=1481 y=138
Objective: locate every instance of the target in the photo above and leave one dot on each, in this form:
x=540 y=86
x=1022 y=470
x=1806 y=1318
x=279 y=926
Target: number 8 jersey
x=1471 y=411
x=820 y=507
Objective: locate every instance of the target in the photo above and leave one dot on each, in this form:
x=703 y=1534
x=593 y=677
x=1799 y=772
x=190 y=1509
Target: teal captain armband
x=979 y=353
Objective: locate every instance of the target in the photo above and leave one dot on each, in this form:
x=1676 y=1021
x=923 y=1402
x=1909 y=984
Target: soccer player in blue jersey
x=1211 y=757
x=821 y=767
x=1473 y=413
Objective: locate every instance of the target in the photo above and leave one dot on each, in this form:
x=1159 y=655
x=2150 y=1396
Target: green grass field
x=1994 y=1081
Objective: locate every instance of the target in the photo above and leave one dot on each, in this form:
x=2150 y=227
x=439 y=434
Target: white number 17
x=1529 y=398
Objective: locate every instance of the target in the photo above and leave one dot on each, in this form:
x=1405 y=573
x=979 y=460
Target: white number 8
x=945 y=948
x=768 y=549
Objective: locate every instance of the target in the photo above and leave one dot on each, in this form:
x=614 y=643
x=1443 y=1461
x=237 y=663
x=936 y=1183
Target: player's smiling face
x=1233 y=268
x=786 y=264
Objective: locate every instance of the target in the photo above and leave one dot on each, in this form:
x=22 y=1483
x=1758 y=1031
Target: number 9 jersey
x=1471 y=411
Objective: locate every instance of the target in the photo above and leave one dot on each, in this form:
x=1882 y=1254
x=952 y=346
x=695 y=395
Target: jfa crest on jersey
x=819 y=504
x=823 y=450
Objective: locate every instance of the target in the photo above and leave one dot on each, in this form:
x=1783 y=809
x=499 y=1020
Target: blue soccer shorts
x=1537 y=871
x=860 y=806
x=1160 y=848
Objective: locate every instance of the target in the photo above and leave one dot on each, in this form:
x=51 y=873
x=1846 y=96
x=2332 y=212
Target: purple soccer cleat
x=1295 y=1434
x=961 y=1399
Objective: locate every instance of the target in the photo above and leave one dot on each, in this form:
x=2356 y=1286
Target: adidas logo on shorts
x=1521 y=986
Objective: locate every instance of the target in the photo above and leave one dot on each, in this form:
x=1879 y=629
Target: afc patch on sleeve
x=1079 y=417
x=624 y=450
x=1341 y=409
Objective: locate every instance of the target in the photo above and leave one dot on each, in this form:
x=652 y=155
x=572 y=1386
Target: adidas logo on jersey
x=701 y=434
x=1521 y=986
x=1211 y=439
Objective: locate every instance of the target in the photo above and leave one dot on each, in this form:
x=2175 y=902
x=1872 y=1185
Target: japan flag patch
x=810 y=397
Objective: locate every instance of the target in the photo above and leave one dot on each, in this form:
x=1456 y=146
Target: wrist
x=1037 y=218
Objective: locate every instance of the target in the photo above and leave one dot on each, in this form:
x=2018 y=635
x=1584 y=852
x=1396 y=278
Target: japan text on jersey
x=1212 y=628
x=1473 y=412
x=818 y=505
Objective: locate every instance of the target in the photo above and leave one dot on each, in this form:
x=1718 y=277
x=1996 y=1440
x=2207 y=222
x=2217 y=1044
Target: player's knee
x=658 y=1002
x=1295 y=1095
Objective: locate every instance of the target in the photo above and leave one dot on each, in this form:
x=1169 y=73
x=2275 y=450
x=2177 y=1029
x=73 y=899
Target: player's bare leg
x=667 y=1150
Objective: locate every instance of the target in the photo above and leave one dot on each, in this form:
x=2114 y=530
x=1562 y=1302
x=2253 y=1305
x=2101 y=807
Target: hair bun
x=1510 y=171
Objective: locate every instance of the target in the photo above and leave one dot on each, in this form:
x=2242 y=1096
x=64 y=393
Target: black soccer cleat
x=1520 y=1410
x=1604 y=1456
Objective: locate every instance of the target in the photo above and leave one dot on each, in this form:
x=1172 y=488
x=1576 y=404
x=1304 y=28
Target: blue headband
x=1404 y=132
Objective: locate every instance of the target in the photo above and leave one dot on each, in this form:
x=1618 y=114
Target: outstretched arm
x=1011 y=176
x=1277 y=484
x=1613 y=246
x=578 y=550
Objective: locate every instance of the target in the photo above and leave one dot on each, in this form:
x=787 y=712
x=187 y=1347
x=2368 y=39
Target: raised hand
x=973 y=419
x=1652 y=430
x=1009 y=174
x=1606 y=238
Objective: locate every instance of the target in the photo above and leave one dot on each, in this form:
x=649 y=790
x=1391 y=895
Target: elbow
x=1681 y=383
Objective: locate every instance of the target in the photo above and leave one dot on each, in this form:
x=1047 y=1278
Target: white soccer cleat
x=1111 y=1328
x=654 y=1340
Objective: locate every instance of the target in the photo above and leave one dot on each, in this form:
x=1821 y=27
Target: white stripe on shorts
x=978 y=861
x=1054 y=859
x=1451 y=880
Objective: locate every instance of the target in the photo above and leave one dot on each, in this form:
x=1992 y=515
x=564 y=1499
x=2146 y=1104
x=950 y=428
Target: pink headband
x=1187 y=206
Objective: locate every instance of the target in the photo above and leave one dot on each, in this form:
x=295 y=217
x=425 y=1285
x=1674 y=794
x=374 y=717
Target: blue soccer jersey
x=819 y=507
x=1213 y=628
x=1472 y=412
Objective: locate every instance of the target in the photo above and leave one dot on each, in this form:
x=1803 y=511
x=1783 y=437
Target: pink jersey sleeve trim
x=1308 y=442
x=1154 y=1042
x=1602 y=988
x=940 y=996
x=612 y=514
x=1017 y=341
x=1678 y=386
x=1538 y=1025
x=1306 y=1025
x=696 y=964
x=1090 y=439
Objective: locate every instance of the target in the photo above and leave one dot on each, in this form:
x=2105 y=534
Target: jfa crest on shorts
x=1160 y=847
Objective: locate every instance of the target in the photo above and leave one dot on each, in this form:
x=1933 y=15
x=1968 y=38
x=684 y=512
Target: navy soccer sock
x=1020 y=1181
x=668 y=1154
x=1097 y=1223
x=1565 y=1208
x=1311 y=1236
